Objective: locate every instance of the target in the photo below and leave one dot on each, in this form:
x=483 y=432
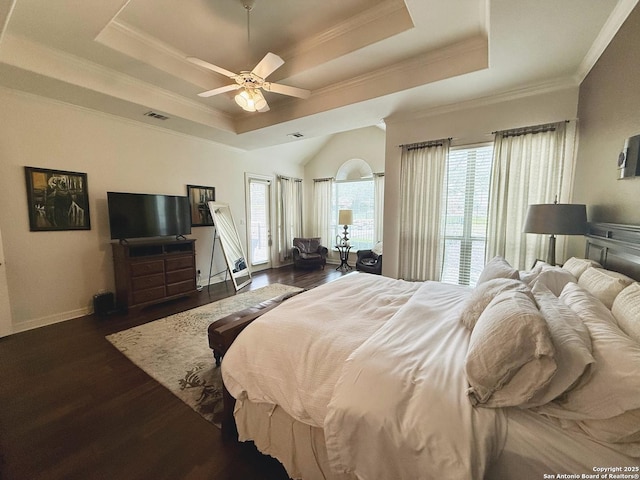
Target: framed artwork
x=58 y=200
x=198 y=198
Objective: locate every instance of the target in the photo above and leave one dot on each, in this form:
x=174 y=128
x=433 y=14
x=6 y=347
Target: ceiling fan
x=252 y=82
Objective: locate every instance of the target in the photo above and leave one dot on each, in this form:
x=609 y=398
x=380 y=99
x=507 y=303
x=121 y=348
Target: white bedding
x=292 y=356
x=378 y=365
x=404 y=391
x=535 y=446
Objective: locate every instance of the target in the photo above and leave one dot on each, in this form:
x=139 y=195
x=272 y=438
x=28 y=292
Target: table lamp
x=556 y=219
x=345 y=217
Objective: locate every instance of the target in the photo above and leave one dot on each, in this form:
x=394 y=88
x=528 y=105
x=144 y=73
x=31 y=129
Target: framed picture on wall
x=58 y=200
x=198 y=198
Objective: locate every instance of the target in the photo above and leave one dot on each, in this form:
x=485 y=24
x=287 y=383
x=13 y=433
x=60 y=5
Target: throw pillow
x=482 y=295
x=511 y=354
x=626 y=310
x=497 y=267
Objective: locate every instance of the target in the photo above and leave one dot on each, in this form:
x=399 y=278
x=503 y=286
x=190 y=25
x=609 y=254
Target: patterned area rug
x=175 y=350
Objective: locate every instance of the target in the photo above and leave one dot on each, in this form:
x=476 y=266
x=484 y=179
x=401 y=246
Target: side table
x=344 y=257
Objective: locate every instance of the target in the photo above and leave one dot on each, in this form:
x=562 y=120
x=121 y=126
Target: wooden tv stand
x=150 y=272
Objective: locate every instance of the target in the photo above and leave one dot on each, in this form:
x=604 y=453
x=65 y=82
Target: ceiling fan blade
x=216 y=91
x=286 y=90
x=269 y=64
x=211 y=66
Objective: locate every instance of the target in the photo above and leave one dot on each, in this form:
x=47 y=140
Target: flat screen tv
x=137 y=215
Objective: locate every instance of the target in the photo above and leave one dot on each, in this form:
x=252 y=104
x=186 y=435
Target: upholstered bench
x=222 y=333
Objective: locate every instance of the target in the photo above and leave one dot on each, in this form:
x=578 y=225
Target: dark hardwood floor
x=73 y=407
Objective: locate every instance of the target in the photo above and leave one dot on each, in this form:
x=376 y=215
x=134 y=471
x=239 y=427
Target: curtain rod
x=425 y=144
x=323 y=179
x=515 y=132
x=282 y=177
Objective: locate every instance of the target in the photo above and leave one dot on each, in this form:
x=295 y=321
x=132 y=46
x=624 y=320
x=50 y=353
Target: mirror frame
x=228 y=238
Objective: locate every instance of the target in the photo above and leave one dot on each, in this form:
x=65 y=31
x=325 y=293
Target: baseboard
x=50 y=320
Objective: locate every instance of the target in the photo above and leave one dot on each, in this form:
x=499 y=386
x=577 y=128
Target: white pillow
x=377 y=248
x=577 y=266
x=572 y=343
x=605 y=285
x=626 y=310
x=555 y=278
x=529 y=276
x=615 y=378
x=497 y=267
x=624 y=428
x=482 y=295
x=510 y=355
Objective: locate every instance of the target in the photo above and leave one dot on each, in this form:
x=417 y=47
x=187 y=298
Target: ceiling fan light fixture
x=245 y=100
x=251 y=100
x=258 y=100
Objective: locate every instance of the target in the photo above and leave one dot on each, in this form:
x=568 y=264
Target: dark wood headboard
x=616 y=247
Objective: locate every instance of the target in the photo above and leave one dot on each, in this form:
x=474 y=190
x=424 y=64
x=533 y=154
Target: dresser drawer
x=146 y=268
x=181 y=287
x=180 y=275
x=148 y=281
x=179 y=263
x=152 y=271
x=143 y=296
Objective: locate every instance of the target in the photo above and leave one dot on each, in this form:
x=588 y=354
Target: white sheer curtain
x=289 y=214
x=530 y=165
x=378 y=209
x=322 y=189
x=422 y=172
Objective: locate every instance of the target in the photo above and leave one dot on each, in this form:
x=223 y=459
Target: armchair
x=307 y=252
x=370 y=261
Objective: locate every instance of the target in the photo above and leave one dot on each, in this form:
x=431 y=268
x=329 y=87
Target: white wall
x=364 y=143
x=53 y=276
x=466 y=126
x=609 y=109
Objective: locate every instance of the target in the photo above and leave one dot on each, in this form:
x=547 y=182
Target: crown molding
x=133 y=33
x=457 y=59
x=476 y=44
x=67 y=68
x=619 y=14
x=6 y=10
x=511 y=95
x=134 y=43
x=380 y=12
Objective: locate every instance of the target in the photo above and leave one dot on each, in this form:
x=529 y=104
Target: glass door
x=259 y=218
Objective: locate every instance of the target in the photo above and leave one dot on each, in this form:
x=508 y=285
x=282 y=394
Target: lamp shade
x=557 y=218
x=345 y=217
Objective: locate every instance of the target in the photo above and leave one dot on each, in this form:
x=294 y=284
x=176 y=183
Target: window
x=467 y=199
x=358 y=196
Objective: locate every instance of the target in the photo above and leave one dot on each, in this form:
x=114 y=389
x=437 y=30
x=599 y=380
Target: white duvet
x=292 y=356
x=400 y=408
x=384 y=376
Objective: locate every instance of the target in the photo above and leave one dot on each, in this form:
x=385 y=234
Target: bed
x=528 y=374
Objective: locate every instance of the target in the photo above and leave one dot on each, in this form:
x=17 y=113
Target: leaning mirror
x=231 y=245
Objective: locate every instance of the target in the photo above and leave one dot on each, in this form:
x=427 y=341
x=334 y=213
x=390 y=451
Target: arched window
x=354 y=190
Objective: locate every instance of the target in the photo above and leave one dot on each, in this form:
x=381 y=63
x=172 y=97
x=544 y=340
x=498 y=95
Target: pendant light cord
x=248 y=8
x=248 y=25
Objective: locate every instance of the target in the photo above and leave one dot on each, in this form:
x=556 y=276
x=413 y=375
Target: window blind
x=359 y=197
x=467 y=198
